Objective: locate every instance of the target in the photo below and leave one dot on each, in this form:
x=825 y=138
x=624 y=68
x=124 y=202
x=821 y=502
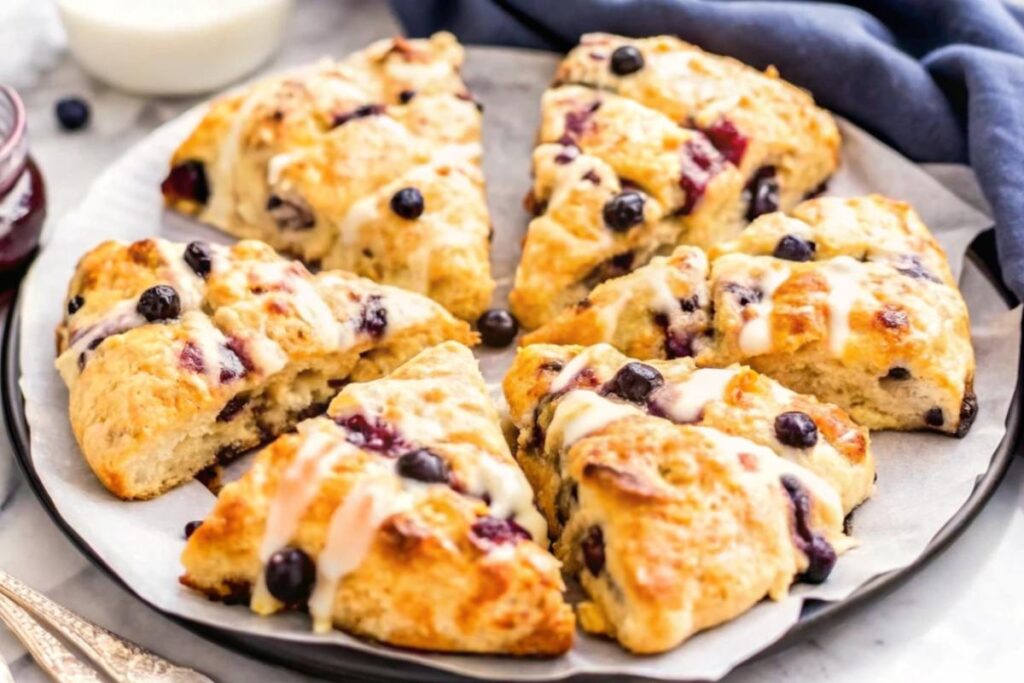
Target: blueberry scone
x=734 y=400
x=400 y=516
x=648 y=143
x=370 y=164
x=670 y=528
x=177 y=356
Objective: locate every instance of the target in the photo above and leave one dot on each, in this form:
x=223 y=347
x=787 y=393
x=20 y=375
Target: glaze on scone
x=734 y=400
x=177 y=356
x=407 y=509
x=312 y=163
x=705 y=142
x=670 y=528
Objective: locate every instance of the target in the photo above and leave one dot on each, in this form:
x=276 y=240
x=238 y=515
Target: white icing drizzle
x=573 y=367
x=756 y=335
x=350 y=535
x=843 y=285
x=308 y=303
x=509 y=492
x=190 y=287
x=119 y=318
x=581 y=413
x=277 y=164
x=208 y=340
x=684 y=402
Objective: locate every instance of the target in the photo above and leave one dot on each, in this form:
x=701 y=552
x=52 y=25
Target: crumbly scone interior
x=250 y=345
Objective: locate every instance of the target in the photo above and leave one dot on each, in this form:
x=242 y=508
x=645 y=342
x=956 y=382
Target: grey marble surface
x=961 y=618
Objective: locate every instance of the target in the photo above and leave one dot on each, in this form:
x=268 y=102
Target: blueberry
x=898 y=373
x=372 y=435
x=933 y=417
x=191 y=527
x=187 y=181
x=191 y=358
x=289 y=575
x=234 y=361
x=793 y=248
x=796 y=429
x=821 y=559
x=968 y=411
x=406 y=95
x=635 y=381
x=745 y=296
x=728 y=140
x=499 y=531
x=232 y=408
x=592 y=547
x=373 y=317
x=407 y=203
x=626 y=60
x=762 y=193
x=911 y=266
x=160 y=302
x=75 y=303
x=359 y=112
x=624 y=210
x=497 y=327
x=422 y=465
x=72 y=113
x=199 y=258
x=292 y=213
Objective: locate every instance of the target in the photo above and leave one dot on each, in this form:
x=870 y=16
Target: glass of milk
x=172 y=47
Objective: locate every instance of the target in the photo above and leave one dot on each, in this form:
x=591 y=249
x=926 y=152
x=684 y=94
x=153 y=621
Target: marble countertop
x=960 y=618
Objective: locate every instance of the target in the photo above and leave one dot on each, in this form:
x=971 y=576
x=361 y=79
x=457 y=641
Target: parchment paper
x=922 y=479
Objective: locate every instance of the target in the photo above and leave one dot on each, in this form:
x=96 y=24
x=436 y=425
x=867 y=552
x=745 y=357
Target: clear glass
x=22 y=192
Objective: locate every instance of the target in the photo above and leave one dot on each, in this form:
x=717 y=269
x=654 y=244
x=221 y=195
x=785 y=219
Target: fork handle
x=49 y=653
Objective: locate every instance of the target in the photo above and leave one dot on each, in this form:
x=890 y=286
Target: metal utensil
x=49 y=653
x=122 y=660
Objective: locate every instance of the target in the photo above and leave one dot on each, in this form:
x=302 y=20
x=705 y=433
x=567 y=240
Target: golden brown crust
x=253 y=346
x=429 y=579
x=309 y=162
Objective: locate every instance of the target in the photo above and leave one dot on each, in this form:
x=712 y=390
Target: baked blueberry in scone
x=670 y=528
x=400 y=516
x=735 y=400
x=370 y=164
x=699 y=144
x=179 y=356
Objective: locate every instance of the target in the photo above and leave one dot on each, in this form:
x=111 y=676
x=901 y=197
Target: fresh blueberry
x=72 y=113
x=635 y=381
x=289 y=575
x=159 y=302
x=624 y=210
x=497 y=327
x=422 y=465
x=821 y=559
x=793 y=248
x=372 y=435
x=592 y=547
x=968 y=411
x=373 y=317
x=191 y=527
x=626 y=60
x=406 y=96
x=407 y=203
x=796 y=429
x=762 y=193
x=187 y=181
x=933 y=417
x=199 y=258
x=499 y=531
x=75 y=303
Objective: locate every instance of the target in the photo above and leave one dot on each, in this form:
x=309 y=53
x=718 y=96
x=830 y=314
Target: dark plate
x=337 y=663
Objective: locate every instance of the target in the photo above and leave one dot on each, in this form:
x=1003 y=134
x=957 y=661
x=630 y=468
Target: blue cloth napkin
x=940 y=80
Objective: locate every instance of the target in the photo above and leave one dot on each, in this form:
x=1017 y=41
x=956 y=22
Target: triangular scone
x=662 y=310
x=311 y=163
x=178 y=356
x=869 y=228
x=672 y=529
x=735 y=400
x=893 y=347
x=400 y=516
x=700 y=145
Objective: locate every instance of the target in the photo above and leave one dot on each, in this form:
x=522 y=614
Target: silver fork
x=122 y=660
x=49 y=653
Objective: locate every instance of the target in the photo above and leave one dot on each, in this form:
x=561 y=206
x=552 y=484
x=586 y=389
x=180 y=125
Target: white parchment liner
x=923 y=479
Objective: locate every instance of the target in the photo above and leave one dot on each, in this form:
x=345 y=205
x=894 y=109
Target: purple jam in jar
x=22 y=193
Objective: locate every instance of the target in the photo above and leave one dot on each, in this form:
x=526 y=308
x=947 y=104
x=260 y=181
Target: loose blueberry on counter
x=499 y=531
x=898 y=373
x=191 y=527
x=626 y=60
x=497 y=327
x=796 y=429
x=934 y=418
x=187 y=181
x=635 y=381
x=75 y=303
x=72 y=113
x=159 y=302
x=407 y=203
x=289 y=575
x=422 y=465
x=592 y=547
x=199 y=258
x=406 y=95
x=793 y=248
x=762 y=193
x=623 y=211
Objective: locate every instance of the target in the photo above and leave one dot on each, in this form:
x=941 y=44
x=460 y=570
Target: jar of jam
x=22 y=194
